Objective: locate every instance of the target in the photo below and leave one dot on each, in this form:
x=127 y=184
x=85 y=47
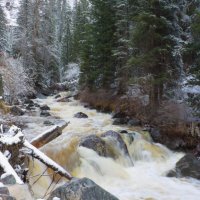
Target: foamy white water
x=145 y=180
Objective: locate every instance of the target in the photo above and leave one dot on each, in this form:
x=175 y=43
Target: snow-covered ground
x=11 y=8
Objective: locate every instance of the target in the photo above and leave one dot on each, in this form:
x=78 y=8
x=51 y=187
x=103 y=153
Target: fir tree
x=153 y=45
x=2 y=30
x=193 y=50
x=98 y=64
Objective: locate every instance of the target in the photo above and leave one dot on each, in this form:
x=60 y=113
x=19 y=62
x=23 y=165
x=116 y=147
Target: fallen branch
x=35 y=153
x=8 y=168
x=48 y=135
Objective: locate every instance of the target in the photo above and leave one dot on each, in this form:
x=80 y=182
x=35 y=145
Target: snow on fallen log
x=8 y=168
x=14 y=136
x=35 y=153
x=48 y=135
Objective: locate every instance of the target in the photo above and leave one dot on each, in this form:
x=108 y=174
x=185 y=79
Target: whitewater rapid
x=145 y=180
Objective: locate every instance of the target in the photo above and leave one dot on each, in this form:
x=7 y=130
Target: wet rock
x=28 y=101
x=188 y=166
x=15 y=110
x=8 y=180
x=4 y=191
x=48 y=123
x=45 y=113
x=64 y=99
x=171 y=173
x=134 y=122
x=124 y=131
x=36 y=105
x=118 y=139
x=57 y=96
x=95 y=143
x=30 y=107
x=80 y=115
x=44 y=107
x=81 y=189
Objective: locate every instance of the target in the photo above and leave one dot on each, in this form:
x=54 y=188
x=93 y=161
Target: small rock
x=44 y=107
x=81 y=189
x=57 y=96
x=45 y=113
x=80 y=115
x=124 y=131
x=64 y=99
x=8 y=180
x=15 y=110
x=48 y=123
x=28 y=101
x=30 y=107
x=36 y=105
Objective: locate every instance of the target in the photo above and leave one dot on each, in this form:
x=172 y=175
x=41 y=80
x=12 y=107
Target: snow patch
x=11 y=8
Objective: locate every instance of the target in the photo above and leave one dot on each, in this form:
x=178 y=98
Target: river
x=145 y=180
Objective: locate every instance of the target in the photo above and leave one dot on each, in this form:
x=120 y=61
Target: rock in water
x=118 y=139
x=95 y=143
x=80 y=115
x=15 y=110
x=188 y=166
x=45 y=113
x=44 y=107
x=81 y=189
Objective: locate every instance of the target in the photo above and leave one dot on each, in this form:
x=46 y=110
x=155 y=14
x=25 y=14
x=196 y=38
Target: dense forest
x=139 y=58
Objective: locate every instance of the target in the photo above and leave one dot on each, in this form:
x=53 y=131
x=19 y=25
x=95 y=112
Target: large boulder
x=188 y=166
x=80 y=115
x=81 y=189
x=95 y=143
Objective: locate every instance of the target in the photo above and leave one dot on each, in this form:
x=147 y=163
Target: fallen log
x=35 y=153
x=5 y=165
x=48 y=135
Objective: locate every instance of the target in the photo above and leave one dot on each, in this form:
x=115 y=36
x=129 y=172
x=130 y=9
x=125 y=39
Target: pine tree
x=98 y=65
x=2 y=30
x=122 y=51
x=153 y=44
x=193 y=50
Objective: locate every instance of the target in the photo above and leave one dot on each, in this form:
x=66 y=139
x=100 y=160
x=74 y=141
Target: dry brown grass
x=5 y=109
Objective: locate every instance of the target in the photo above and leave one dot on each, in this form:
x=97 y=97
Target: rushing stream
x=145 y=180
